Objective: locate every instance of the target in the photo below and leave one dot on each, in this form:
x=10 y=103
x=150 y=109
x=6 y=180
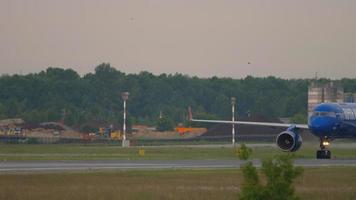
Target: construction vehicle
x=189 y=130
x=87 y=137
x=116 y=135
x=108 y=133
x=183 y=130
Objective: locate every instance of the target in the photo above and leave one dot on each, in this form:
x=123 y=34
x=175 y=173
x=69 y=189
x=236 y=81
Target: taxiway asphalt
x=45 y=166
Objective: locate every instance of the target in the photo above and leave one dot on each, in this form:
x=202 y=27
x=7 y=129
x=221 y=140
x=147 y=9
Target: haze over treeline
x=96 y=97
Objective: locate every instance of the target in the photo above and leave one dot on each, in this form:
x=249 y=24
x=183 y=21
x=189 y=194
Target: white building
x=322 y=93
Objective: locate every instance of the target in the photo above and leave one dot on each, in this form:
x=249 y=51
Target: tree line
x=96 y=97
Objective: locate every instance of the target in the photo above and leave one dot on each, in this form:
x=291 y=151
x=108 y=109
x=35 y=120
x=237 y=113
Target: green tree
x=165 y=124
x=279 y=172
x=96 y=96
x=251 y=187
x=2 y=111
x=299 y=118
x=243 y=152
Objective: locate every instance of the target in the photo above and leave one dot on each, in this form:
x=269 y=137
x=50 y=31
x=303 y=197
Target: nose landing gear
x=323 y=153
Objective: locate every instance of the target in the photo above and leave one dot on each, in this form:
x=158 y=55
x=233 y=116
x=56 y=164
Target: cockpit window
x=324 y=114
x=354 y=110
x=349 y=114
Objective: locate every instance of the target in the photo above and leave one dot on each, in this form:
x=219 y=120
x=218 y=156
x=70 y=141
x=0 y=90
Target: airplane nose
x=321 y=125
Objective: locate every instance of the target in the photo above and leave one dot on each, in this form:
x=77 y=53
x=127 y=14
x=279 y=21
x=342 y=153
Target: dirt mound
x=151 y=134
x=9 y=122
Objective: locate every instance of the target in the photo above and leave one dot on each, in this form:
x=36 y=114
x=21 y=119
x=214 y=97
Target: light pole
x=233 y=102
x=124 y=96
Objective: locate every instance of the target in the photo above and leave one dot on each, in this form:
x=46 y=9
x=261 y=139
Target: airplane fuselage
x=333 y=120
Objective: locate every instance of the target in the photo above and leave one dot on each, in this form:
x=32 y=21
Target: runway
x=45 y=166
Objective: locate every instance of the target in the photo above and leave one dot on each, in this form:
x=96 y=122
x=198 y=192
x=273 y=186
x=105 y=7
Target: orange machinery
x=182 y=130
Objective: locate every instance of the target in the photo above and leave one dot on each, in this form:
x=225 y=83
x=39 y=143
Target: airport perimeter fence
x=141 y=141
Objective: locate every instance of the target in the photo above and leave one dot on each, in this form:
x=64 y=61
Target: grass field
x=110 y=152
x=316 y=183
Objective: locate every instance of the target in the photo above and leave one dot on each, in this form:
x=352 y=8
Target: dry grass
x=120 y=185
x=316 y=183
x=327 y=183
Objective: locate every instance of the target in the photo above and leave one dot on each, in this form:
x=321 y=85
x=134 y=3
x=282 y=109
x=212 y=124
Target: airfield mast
x=233 y=102
x=124 y=96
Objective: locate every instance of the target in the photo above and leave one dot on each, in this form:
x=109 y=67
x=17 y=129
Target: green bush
x=279 y=172
x=251 y=188
x=299 y=118
x=243 y=152
x=165 y=124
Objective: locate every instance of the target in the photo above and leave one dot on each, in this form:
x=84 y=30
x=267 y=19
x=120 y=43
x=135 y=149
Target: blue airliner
x=329 y=121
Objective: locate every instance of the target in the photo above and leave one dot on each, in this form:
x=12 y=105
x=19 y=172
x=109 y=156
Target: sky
x=204 y=38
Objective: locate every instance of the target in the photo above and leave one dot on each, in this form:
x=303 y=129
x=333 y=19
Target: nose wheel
x=323 y=153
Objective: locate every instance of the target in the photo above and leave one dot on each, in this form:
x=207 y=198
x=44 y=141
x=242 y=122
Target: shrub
x=279 y=172
x=243 y=152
